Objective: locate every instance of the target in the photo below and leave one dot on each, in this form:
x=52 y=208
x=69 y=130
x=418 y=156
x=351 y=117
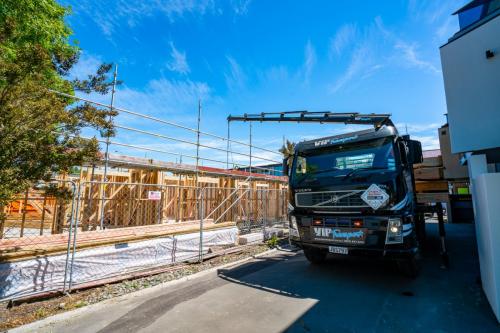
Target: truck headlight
x=394 y=231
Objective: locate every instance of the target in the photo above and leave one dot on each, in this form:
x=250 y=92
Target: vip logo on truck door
x=340 y=235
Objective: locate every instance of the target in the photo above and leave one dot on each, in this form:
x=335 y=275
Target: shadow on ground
x=359 y=295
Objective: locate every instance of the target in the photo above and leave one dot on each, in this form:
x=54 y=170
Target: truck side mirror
x=285 y=166
x=415 y=151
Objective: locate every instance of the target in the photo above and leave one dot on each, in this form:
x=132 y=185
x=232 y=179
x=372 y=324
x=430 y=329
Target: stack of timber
x=454 y=171
x=429 y=174
x=430 y=184
x=457 y=175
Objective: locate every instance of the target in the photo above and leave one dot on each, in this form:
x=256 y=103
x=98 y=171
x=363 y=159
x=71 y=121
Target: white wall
x=472 y=86
x=486 y=191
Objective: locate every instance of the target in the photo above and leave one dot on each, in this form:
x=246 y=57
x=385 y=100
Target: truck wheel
x=409 y=267
x=315 y=256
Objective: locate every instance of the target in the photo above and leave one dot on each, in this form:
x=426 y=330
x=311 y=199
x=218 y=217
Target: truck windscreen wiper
x=352 y=172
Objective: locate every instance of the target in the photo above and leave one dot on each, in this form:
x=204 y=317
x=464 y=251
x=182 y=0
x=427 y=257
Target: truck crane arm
x=377 y=120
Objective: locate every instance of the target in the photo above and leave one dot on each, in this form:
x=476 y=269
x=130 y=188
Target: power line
x=161 y=121
x=172 y=153
x=189 y=142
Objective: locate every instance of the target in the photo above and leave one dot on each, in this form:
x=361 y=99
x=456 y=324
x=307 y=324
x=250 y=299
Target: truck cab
x=353 y=194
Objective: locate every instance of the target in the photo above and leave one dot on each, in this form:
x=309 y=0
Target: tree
x=288 y=150
x=39 y=130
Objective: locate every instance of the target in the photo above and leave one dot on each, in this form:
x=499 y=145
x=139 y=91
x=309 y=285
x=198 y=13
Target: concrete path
x=283 y=292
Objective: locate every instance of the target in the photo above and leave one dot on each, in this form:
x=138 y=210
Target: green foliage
x=273 y=241
x=288 y=150
x=39 y=130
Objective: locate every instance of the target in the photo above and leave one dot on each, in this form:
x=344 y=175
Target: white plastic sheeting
x=47 y=273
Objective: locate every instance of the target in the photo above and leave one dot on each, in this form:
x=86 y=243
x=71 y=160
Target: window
x=338 y=161
x=493 y=6
x=355 y=162
x=470 y=16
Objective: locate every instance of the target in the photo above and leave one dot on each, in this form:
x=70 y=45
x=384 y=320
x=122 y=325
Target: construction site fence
x=99 y=232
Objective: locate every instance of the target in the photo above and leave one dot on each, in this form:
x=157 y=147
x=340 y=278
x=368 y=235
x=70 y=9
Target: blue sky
x=256 y=56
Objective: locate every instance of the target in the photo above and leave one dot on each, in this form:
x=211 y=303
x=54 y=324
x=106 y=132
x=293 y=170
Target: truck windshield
x=344 y=161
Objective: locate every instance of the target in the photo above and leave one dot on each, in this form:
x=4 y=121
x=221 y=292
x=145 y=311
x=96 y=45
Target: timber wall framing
x=227 y=196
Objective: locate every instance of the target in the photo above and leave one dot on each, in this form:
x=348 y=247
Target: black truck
x=353 y=194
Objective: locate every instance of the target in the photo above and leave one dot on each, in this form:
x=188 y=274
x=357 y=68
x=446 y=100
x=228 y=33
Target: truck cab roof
x=359 y=136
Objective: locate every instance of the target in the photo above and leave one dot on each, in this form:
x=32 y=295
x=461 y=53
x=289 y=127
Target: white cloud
x=86 y=65
x=235 y=78
x=359 y=63
x=309 y=61
x=428 y=141
x=412 y=58
x=344 y=37
x=175 y=100
x=409 y=50
x=164 y=96
x=240 y=7
x=437 y=15
x=447 y=28
x=417 y=128
x=109 y=16
x=367 y=53
x=178 y=62
x=425 y=133
x=431 y=11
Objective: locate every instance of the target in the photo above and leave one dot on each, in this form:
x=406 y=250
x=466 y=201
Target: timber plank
x=431 y=186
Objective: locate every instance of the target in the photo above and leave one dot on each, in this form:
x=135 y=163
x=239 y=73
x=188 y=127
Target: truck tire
x=409 y=267
x=315 y=256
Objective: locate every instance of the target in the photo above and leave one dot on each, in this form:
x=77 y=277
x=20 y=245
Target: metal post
x=71 y=220
x=106 y=155
x=3 y=218
x=251 y=212
x=74 y=236
x=179 y=191
x=160 y=206
x=442 y=234
x=201 y=225
x=264 y=213
x=25 y=203
x=227 y=147
x=198 y=153
x=42 y=221
x=250 y=146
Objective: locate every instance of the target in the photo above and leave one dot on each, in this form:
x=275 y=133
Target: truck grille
x=329 y=199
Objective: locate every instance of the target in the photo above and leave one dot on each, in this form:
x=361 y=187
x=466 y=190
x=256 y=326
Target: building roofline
x=472 y=27
x=470 y=5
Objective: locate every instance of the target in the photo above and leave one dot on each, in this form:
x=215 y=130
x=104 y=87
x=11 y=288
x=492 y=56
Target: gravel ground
x=28 y=312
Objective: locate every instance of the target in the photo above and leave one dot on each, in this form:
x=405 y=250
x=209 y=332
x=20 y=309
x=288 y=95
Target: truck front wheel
x=315 y=256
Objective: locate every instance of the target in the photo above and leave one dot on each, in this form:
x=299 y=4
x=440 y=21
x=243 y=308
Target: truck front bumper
x=375 y=244
x=390 y=252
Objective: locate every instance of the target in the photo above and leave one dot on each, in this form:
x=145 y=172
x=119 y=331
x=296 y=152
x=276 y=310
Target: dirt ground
x=31 y=311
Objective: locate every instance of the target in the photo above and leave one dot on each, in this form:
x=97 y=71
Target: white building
x=471 y=71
